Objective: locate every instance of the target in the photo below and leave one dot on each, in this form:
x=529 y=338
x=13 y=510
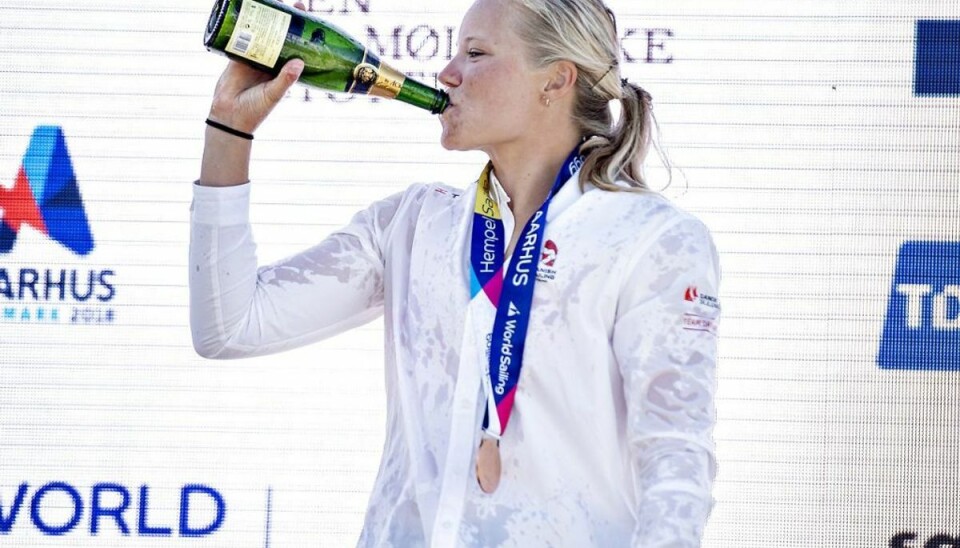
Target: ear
x=562 y=80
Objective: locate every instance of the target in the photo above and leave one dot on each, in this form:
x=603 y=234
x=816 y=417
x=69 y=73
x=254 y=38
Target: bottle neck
x=423 y=96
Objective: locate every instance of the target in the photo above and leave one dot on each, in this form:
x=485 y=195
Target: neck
x=527 y=170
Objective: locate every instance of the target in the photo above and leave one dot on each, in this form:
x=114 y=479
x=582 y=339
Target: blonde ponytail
x=585 y=33
x=619 y=154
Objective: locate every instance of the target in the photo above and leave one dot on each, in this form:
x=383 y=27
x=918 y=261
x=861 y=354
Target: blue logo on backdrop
x=922 y=330
x=937 y=64
x=46 y=196
x=58 y=508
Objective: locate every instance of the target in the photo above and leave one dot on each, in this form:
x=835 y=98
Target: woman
x=605 y=303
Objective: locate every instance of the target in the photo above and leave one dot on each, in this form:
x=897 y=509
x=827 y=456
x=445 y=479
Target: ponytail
x=585 y=33
x=619 y=153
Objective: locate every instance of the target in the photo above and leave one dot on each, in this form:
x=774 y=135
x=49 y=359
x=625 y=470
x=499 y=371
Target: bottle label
x=259 y=34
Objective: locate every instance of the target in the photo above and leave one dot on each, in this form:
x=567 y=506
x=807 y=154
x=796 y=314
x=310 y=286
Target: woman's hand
x=242 y=100
x=244 y=96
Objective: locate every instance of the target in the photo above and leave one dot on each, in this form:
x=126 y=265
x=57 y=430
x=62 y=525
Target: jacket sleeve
x=238 y=309
x=666 y=346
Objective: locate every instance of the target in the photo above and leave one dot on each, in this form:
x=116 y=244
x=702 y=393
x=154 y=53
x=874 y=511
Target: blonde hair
x=584 y=32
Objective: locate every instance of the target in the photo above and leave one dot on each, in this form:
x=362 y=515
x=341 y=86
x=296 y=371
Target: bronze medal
x=488 y=464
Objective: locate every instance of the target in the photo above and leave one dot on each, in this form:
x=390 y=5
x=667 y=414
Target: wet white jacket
x=610 y=441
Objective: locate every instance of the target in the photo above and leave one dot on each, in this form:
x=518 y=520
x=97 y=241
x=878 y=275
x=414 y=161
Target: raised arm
x=237 y=308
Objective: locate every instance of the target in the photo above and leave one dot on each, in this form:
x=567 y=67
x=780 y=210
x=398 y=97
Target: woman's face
x=494 y=92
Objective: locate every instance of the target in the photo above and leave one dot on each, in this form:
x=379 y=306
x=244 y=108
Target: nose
x=450 y=75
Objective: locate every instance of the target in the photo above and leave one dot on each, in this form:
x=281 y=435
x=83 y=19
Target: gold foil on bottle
x=389 y=82
x=383 y=82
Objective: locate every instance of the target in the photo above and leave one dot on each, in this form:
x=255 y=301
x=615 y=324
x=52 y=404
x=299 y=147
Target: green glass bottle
x=265 y=34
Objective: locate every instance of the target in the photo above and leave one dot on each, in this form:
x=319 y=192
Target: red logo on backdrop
x=549 y=253
x=691 y=294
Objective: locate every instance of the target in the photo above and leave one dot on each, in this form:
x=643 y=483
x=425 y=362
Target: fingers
x=245 y=96
x=238 y=77
x=300 y=6
x=275 y=89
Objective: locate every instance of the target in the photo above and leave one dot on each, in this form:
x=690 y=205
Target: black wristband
x=230 y=130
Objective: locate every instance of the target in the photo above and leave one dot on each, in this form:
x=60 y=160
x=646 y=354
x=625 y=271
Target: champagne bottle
x=265 y=34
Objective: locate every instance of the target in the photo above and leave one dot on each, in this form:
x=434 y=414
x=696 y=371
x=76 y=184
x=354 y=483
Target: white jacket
x=610 y=441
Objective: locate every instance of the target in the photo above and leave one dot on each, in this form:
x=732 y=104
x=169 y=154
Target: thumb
x=276 y=88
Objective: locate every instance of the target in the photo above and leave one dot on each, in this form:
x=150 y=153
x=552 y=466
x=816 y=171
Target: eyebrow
x=469 y=40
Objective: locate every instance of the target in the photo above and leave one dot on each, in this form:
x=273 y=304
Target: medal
x=488 y=464
x=509 y=290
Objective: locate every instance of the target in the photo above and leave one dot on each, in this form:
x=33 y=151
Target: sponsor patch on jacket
x=696 y=322
x=548 y=255
x=446 y=192
x=693 y=295
x=704 y=309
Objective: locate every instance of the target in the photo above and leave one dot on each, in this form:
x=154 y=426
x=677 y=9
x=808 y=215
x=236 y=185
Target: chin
x=450 y=142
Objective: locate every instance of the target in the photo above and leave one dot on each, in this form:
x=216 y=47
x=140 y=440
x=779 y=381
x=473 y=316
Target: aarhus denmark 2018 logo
x=45 y=196
x=922 y=329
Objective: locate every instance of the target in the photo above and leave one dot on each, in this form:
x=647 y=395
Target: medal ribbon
x=511 y=293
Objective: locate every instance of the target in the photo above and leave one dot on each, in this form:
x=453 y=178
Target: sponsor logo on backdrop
x=419 y=43
x=59 y=508
x=922 y=327
x=912 y=540
x=937 y=62
x=45 y=198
